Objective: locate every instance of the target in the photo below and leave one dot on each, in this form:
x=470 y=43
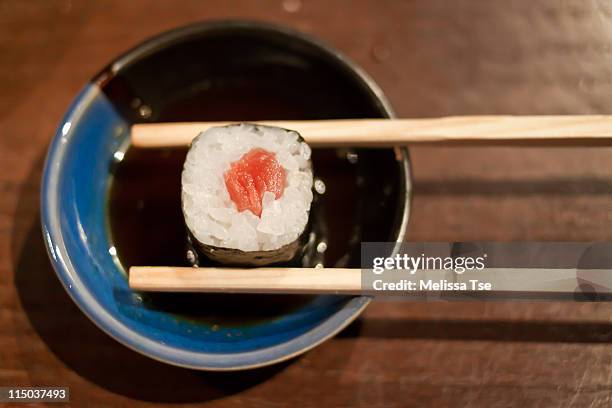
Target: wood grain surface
x=432 y=58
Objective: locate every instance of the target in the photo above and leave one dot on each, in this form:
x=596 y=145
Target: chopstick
x=488 y=130
x=244 y=280
x=507 y=283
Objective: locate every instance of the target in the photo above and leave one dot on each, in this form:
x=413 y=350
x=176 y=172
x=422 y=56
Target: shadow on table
x=493 y=330
x=513 y=188
x=84 y=348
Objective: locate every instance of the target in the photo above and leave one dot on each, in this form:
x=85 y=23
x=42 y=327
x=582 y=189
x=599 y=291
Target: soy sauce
x=248 y=81
x=147 y=228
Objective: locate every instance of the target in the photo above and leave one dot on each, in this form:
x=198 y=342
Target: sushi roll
x=247 y=193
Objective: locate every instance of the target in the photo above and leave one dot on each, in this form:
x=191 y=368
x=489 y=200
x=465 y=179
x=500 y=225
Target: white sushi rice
x=210 y=214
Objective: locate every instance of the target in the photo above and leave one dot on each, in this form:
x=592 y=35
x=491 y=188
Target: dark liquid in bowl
x=250 y=81
x=147 y=228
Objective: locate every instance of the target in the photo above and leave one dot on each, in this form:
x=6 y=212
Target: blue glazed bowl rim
x=67 y=272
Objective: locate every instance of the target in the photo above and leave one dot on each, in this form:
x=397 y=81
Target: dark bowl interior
x=242 y=75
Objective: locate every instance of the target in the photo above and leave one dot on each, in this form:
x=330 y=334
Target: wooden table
x=432 y=58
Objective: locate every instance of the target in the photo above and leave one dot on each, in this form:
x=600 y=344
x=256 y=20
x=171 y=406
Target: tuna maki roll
x=247 y=193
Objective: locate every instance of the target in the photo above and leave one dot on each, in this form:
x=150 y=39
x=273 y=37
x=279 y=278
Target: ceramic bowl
x=179 y=75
